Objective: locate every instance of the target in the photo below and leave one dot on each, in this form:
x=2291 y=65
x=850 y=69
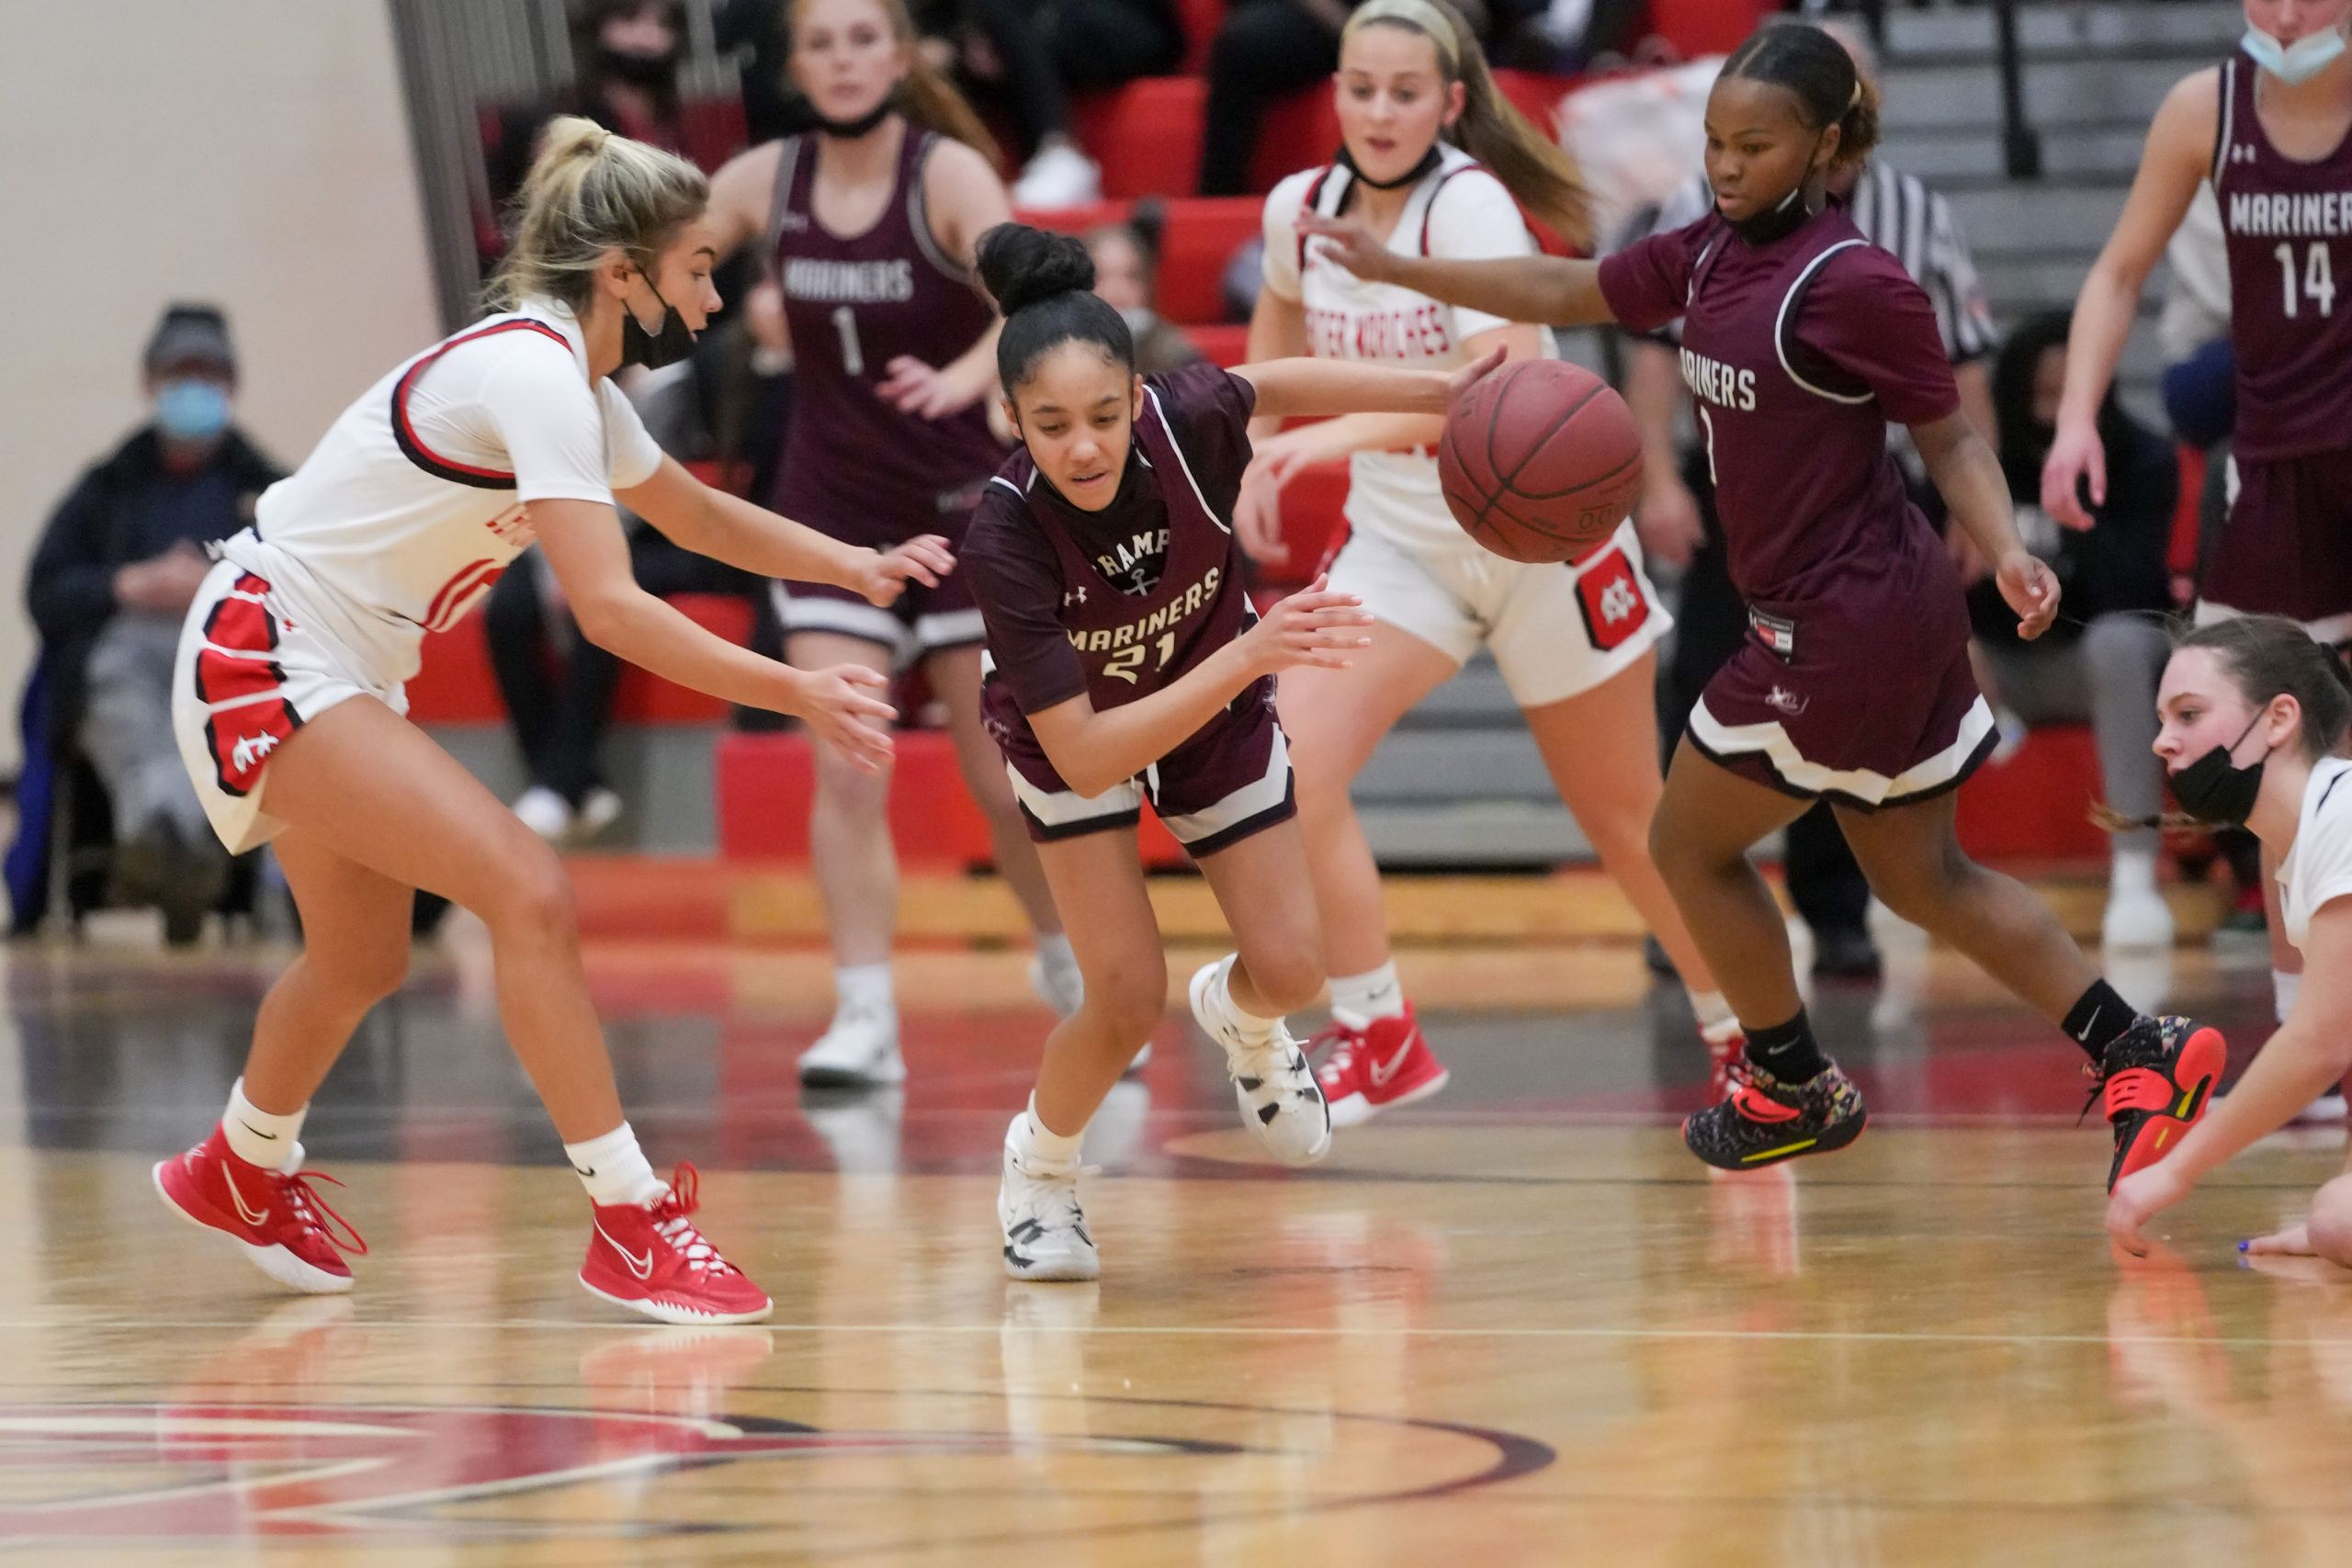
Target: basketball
x=1540 y=461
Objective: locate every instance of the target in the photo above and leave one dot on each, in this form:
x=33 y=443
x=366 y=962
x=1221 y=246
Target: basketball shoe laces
x=673 y=1225
x=1341 y=1040
x=310 y=1210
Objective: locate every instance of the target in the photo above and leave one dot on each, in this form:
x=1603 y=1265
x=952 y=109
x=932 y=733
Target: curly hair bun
x=1021 y=266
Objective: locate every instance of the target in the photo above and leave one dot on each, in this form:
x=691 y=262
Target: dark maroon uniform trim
x=855 y=468
x=1854 y=682
x=2287 y=548
x=414 y=448
x=1062 y=590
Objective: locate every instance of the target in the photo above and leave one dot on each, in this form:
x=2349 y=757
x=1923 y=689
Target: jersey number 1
x=853 y=358
x=1123 y=664
x=2319 y=277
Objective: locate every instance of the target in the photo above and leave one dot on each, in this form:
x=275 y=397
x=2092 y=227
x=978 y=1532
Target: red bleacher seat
x=2035 y=804
x=1147 y=134
x=1224 y=344
x=766 y=781
x=1311 y=521
x=1200 y=235
x=1707 y=27
x=1201 y=19
x=456 y=686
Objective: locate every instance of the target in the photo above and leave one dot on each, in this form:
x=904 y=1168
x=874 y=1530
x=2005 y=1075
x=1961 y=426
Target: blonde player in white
x=1436 y=162
x=288 y=699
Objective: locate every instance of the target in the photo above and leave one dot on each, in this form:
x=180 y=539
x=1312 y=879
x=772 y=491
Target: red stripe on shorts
x=225 y=678
x=243 y=624
x=241 y=738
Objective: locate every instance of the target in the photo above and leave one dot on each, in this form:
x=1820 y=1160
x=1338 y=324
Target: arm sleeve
x=1472 y=217
x=635 y=453
x=1281 y=227
x=70 y=586
x=1952 y=268
x=1865 y=317
x=1019 y=586
x=552 y=422
x=1648 y=282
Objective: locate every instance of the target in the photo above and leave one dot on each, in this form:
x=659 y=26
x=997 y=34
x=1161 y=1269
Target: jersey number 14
x=2318 y=277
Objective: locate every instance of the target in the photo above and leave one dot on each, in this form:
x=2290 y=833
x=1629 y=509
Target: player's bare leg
x=1336 y=718
x=1708 y=819
x=955 y=680
x=1268 y=899
x=856 y=867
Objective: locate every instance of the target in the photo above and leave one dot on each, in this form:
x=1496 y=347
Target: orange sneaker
x=650 y=1259
x=1378 y=1067
x=2154 y=1084
x=277 y=1217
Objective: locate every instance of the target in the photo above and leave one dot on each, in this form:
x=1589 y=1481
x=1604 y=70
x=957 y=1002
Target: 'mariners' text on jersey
x=1713 y=381
x=1104 y=639
x=2291 y=214
x=851 y=282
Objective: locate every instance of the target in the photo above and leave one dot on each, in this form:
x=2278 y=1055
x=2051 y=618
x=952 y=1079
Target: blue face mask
x=2296 y=61
x=192 y=410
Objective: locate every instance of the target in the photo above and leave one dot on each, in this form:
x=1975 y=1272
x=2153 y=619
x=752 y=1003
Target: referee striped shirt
x=1897 y=212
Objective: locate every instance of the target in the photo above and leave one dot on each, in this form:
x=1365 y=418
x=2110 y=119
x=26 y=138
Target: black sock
x=2099 y=1020
x=1787 y=1050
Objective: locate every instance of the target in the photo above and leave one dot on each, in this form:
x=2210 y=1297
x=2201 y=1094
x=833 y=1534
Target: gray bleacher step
x=2140 y=26
x=2058 y=95
x=1486 y=833
x=2074 y=216
x=1454 y=764
x=1950 y=160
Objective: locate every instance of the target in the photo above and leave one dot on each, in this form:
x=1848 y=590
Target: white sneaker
x=1059 y=175
x=1059 y=986
x=598 y=810
x=2136 y=918
x=1045 y=1230
x=860 y=1048
x=546 y=813
x=1281 y=1102
x=1141 y=1060
x=2328 y=1108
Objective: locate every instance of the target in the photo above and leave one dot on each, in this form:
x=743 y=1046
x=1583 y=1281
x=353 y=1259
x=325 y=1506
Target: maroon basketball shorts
x=924 y=621
x=2287 y=547
x=1868 y=703
x=1229 y=780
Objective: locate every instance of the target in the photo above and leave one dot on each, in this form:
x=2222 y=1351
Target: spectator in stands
x=1127 y=267
x=110 y=583
x=2100 y=662
x=1028 y=56
x=1263 y=50
x=1676 y=513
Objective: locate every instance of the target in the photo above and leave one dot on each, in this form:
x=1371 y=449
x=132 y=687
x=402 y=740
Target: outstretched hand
x=924 y=390
x=1314 y=625
x=1477 y=370
x=1348 y=242
x=2031 y=589
x=837 y=705
x=2075 y=455
x=883 y=576
x=2139 y=1198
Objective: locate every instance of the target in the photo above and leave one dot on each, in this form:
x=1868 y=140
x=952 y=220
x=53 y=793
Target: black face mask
x=1411 y=176
x=640 y=70
x=865 y=124
x=2216 y=791
x=654 y=350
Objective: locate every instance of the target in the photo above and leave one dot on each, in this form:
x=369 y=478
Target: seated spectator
x=1265 y=49
x=1026 y=57
x=110 y=583
x=1126 y=269
x=2100 y=662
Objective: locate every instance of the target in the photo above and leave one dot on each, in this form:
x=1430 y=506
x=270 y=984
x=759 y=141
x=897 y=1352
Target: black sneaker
x=2154 y=1082
x=1846 y=953
x=1765 y=1121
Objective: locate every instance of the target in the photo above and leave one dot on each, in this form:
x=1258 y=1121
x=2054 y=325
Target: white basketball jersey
x=1460 y=211
x=415 y=501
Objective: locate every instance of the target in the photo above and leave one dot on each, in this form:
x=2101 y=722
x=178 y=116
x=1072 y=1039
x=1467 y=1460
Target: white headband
x=1416 y=13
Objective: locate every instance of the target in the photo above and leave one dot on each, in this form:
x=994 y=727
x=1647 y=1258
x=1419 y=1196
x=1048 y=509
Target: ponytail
x=1535 y=169
x=588 y=194
x=924 y=95
x=1820 y=71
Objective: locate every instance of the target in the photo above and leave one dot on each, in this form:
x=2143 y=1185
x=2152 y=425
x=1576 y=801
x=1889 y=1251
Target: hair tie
x=1857 y=91
x=1415 y=13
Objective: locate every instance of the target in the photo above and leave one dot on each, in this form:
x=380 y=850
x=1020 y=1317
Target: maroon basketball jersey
x=2288 y=225
x=855 y=467
x=1797 y=354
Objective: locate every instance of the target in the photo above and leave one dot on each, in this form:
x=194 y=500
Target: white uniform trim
x=2229 y=118
x=1181 y=461
x=1860 y=783
x=1781 y=327
x=1267 y=793
x=870 y=623
x=1065 y=813
x=2318 y=868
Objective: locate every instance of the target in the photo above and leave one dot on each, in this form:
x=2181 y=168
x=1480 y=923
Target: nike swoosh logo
x=245 y=1210
x=1381 y=1074
x=255 y=1131
x=642 y=1270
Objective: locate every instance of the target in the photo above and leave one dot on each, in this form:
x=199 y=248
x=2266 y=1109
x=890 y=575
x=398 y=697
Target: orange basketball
x=1541 y=461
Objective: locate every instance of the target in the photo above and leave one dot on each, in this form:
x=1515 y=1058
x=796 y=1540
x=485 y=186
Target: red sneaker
x=278 y=1218
x=1378 y=1067
x=651 y=1260
x=1722 y=1055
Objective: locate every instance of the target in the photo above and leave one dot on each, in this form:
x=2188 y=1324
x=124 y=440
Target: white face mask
x=2293 y=62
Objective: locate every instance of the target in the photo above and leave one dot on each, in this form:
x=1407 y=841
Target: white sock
x=1044 y=1153
x=1250 y=1029
x=865 y=988
x=1712 y=1010
x=613 y=1168
x=1055 y=953
x=256 y=1137
x=2133 y=871
x=2284 y=988
x=1357 y=999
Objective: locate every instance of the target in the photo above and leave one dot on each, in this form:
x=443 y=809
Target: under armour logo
x=1075 y=596
x=251 y=750
x=2241 y=154
x=1787 y=701
x=1618 y=601
x=791 y=223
